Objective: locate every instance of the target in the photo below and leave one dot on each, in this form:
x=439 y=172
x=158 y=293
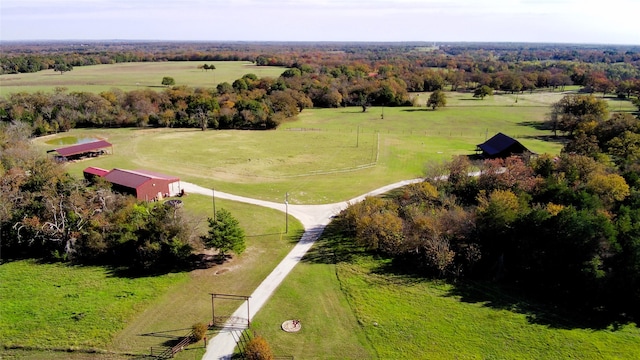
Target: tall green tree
x=482 y=91
x=62 y=68
x=225 y=234
x=168 y=81
x=437 y=99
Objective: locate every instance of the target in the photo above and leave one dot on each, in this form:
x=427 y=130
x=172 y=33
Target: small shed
x=501 y=146
x=144 y=185
x=90 y=149
x=93 y=172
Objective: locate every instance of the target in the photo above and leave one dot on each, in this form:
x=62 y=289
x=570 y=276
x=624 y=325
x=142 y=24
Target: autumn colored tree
x=615 y=126
x=199 y=331
x=609 y=187
x=583 y=144
x=376 y=225
x=573 y=112
x=258 y=349
x=511 y=173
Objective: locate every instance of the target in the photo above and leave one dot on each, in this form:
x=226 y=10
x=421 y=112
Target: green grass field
x=132 y=76
x=56 y=305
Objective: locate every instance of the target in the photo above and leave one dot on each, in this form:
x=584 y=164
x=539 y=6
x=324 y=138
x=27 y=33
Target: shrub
x=258 y=349
x=199 y=331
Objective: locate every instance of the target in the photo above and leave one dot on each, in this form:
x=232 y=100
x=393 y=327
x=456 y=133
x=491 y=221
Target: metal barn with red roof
x=90 y=149
x=144 y=185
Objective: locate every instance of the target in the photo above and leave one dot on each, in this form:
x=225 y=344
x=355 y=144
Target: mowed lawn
x=132 y=76
x=352 y=307
x=58 y=305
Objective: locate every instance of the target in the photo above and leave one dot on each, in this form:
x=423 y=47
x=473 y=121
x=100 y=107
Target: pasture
x=132 y=76
x=326 y=155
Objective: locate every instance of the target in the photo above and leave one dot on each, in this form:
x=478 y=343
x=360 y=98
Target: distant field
x=131 y=76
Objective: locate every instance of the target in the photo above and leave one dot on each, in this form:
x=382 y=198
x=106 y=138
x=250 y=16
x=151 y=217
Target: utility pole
x=286 y=213
x=213 y=193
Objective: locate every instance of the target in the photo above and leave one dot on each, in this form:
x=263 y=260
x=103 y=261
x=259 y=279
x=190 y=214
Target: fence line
x=439 y=133
x=170 y=352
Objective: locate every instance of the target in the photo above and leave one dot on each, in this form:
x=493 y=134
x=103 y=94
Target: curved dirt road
x=314 y=218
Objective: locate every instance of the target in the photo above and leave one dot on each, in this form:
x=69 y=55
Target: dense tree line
x=248 y=103
x=564 y=228
x=289 y=53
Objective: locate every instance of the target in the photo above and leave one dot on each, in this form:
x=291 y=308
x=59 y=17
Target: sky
x=556 y=21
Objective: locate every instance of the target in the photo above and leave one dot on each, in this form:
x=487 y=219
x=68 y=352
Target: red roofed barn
x=144 y=185
x=90 y=149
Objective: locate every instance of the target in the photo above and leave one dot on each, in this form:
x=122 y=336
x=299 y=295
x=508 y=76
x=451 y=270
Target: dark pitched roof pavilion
x=501 y=145
x=83 y=148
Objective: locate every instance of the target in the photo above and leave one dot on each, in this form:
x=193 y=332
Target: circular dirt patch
x=291 y=326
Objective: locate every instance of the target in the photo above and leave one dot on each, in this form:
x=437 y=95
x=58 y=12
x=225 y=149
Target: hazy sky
x=574 y=21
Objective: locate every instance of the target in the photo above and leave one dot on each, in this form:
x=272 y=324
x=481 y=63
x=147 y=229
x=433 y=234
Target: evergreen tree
x=225 y=234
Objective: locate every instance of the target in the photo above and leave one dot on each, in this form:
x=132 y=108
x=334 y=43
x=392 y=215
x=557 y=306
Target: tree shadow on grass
x=537 y=311
x=197 y=261
x=538 y=125
x=542 y=126
x=293 y=237
x=537 y=308
x=547 y=138
x=417 y=110
x=331 y=248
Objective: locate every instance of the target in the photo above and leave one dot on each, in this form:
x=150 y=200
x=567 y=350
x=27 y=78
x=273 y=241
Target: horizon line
x=431 y=42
